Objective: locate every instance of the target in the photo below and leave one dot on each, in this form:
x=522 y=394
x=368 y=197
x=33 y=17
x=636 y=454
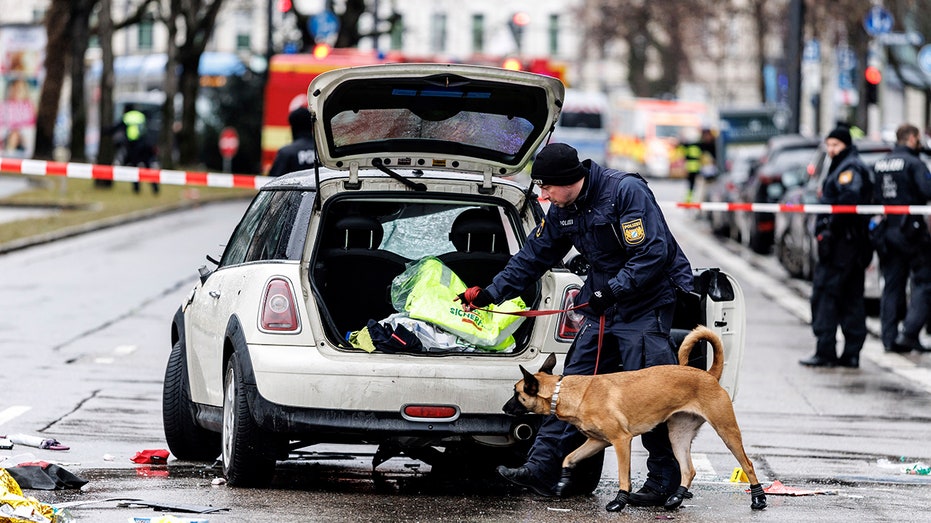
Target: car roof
x=454 y=117
x=785 y=141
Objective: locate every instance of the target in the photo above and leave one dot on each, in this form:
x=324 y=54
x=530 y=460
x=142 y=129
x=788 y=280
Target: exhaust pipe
x=522 y=432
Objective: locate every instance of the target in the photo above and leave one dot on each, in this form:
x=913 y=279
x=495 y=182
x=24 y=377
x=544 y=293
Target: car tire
x=186 y=439
x=247 y=458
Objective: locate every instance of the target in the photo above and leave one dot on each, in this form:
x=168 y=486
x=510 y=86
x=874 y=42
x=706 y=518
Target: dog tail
x=704 y=333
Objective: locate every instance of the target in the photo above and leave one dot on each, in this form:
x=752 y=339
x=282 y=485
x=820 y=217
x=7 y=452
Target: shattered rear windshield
x=487 y=131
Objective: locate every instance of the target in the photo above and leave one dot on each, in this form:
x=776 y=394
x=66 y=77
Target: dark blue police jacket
x=619 y=228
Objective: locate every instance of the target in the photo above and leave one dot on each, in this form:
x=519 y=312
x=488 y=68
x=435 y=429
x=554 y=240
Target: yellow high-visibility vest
x=135 y=123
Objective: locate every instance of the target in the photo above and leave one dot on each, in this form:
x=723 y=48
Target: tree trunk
x=105 y=109
x=80 y=36
x=58 y=28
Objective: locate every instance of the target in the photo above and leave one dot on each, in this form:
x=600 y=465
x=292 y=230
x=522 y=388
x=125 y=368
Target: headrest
x=357 y=232
x=478 y=230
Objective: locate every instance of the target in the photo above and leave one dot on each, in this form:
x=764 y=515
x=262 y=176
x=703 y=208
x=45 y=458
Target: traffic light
x=873 y=77
x=518 y=21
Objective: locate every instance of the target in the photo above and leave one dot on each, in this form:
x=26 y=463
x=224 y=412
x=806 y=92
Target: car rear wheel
x=185 y=438
x=247 y=458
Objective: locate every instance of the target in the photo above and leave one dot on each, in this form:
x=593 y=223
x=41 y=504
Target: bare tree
x=349 y=15
x=656 y=35
x=190 y=23
x=57 y=55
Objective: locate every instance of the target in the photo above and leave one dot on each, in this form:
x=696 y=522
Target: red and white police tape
x=807 y=208
x=248 y=181
x=130 y=174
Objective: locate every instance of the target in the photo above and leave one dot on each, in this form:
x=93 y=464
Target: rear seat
x=354 y=274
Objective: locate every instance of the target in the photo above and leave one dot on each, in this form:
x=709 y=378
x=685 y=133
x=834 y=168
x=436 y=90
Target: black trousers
x=837 y=300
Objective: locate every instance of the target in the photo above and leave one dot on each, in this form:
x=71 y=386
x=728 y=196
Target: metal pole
x=794 y=62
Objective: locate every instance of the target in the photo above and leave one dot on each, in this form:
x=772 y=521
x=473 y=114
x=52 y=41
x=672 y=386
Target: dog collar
x=555 y=397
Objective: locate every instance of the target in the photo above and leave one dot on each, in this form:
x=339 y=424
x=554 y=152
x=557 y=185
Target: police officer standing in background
x=844 y=251
x=903 y=242
x=637 y=266
x=301 y=152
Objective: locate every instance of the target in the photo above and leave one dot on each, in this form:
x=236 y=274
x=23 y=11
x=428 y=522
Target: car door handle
x=214 y=294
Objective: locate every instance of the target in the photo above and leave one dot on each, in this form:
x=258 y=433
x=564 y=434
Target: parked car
x=264 y=358
x=796 y=246
x=725 y=188
x=783 y=153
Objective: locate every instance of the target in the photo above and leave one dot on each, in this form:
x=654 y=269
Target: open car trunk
x=365 y=243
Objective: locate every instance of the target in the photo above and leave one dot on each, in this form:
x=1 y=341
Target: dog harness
x=555 y=397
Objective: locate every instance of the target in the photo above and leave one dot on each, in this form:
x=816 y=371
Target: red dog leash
x=472 y=292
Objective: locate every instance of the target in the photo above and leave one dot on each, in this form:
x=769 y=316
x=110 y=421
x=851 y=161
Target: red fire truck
x=290 y=74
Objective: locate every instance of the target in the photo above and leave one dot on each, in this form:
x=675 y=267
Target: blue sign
x=812 y=51
x=323 y=25
x=878 y=21
x=924 y=59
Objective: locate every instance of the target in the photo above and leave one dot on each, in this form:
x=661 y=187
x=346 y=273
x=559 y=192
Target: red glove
x=475 y=298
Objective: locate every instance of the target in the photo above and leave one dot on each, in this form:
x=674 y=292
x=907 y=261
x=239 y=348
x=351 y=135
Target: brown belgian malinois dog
x=610 y=409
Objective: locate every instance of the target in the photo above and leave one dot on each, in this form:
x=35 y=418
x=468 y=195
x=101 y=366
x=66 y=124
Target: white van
x=583 y=124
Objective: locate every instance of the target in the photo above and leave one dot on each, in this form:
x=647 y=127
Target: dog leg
x=586 y=450
x=683 y=427
x=622 y=449
x=725 y=424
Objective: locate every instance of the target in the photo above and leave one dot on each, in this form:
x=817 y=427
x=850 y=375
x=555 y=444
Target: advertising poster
x=22 y=69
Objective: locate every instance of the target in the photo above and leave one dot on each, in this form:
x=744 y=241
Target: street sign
x=229 y=142
x=878 y=21
x=910 y=38
x=812 y=51
x=924 y=59
x=323 y=25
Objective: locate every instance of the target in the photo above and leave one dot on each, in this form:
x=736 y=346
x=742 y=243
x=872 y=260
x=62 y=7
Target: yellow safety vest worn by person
x=693 y=154
x=426 y=290
x=135 y=125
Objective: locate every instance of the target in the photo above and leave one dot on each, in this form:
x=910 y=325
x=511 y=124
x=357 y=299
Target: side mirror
x=204 y=273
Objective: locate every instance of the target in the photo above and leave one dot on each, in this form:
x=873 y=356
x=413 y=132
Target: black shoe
x=897 y=349
x=818 y=361
x=647 y=497
x=523 y=477
x=851 y=362
x=907 y=344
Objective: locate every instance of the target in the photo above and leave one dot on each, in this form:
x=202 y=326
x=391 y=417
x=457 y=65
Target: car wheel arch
x=234 y=340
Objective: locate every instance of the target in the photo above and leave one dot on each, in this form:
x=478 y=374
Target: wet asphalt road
x=86 y=343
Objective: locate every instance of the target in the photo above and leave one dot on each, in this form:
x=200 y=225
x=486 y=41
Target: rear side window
x=267 y=230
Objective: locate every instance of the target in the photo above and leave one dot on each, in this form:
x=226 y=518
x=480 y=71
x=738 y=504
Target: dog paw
x=677 y=498
x=757 y=497
x=619 y=502
x=562 y=487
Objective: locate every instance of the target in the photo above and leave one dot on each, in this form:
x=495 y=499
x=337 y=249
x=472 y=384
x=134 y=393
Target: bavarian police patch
x=633 y=231
x=845 y=177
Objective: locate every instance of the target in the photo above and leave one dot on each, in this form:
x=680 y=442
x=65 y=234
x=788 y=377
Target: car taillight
x=279 y=313
x=569 y=322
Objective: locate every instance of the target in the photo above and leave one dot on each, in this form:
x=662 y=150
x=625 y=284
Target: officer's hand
x=475 y=298
x=601 y=300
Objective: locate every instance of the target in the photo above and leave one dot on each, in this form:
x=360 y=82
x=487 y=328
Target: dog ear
x=549 y=364
x=531 y=385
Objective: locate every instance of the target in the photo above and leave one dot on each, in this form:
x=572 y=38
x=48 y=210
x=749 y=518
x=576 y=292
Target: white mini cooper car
x=413 y=162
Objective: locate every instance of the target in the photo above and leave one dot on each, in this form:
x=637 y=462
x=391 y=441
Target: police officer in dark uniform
x=903 y=242
x=613 y=219
x=301 y=152
x=844 y=251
